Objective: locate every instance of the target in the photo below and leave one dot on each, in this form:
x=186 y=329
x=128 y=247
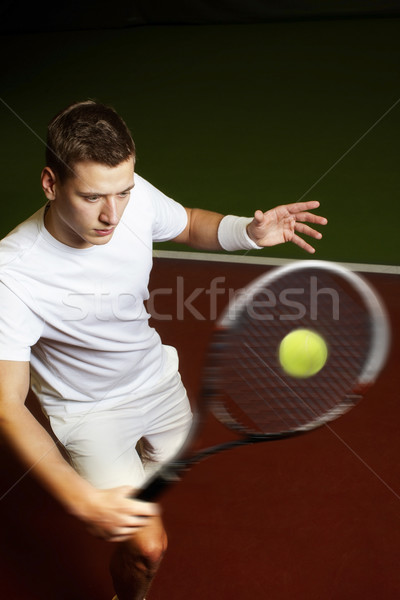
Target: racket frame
x=380 y=335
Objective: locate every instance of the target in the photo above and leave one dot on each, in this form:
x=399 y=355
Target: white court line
x=265 y=260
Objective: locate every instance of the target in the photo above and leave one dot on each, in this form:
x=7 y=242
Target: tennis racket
x=244 y=385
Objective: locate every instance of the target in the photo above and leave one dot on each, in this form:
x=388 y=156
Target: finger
x=136 y=521
x=138 y=507
x=302 y=244
x=306 y=230
x=302 y=206
x=126 y=490
x=122 y=535
x=311 y=218
x=120 y=538
x=132 y=520
x=125 y=528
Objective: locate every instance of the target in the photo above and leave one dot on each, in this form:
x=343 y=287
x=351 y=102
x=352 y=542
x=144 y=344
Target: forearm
x=202 y=229
x=40 y=455
x=207 y=230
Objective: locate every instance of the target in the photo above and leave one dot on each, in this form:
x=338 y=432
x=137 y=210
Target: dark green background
x=228 y=117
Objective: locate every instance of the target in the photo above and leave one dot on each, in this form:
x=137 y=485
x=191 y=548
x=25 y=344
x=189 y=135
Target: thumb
x=126 y=490
x=258 y=217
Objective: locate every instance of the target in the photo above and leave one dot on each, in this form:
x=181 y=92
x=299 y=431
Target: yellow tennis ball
x=302 y=353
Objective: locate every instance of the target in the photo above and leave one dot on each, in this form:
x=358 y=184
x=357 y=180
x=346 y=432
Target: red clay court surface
x=311 y=518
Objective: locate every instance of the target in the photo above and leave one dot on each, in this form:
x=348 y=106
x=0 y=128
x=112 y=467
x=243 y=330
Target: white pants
x=101 y=442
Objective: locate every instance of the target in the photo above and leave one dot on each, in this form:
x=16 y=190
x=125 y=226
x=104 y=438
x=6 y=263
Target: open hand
x=283 y=223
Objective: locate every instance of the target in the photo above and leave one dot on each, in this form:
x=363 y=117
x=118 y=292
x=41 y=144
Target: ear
x=48 y=180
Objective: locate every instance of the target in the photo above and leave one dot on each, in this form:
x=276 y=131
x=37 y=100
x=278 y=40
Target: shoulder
x=146 y=191
x=165 y=217
x=149 y=202
x=21 y=239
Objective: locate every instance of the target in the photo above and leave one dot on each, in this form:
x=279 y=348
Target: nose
x=109 y=215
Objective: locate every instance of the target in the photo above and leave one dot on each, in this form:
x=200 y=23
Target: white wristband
x=232 y=234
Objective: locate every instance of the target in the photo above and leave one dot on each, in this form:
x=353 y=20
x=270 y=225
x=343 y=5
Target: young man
x=73 y=280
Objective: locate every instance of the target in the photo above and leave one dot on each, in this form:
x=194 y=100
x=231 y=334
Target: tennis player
x=74 y=328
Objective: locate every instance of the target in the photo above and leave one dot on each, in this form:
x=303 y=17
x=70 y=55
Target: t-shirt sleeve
x=170 y=217
x=20 y=327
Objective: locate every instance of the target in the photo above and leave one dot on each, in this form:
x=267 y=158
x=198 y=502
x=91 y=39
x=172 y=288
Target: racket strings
x=256 y=394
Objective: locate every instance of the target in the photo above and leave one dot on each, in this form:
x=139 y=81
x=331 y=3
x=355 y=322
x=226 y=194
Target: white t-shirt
x=78 y=315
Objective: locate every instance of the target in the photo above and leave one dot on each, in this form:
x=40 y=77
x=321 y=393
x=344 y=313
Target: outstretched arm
x=276 y=226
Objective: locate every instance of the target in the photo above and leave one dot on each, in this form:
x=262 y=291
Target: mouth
x=104 y=232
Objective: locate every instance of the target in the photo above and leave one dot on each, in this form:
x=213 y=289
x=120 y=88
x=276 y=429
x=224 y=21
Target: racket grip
x=157 y=485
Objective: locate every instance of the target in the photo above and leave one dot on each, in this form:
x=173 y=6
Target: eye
x=124 y=194
x=91 y=198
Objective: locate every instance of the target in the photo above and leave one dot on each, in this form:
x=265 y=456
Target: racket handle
x=168 y=474
x=157 y=485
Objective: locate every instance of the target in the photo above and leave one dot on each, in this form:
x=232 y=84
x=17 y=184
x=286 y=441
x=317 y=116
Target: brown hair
x=87 y=131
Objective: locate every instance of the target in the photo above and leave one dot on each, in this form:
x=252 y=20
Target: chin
x=101 y=241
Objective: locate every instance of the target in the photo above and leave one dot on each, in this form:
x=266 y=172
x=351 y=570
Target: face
x=85 y=209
